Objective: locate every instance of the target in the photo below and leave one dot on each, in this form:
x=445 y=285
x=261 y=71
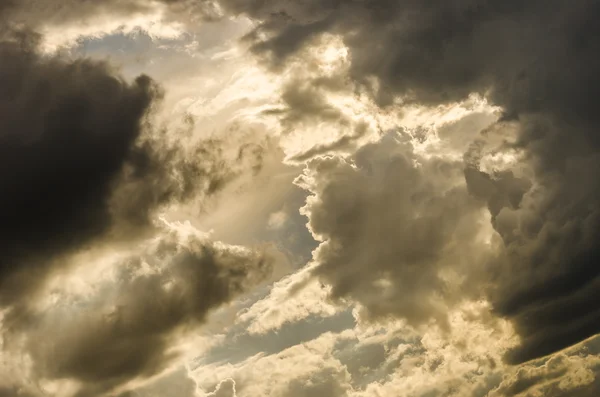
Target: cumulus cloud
x=383 y=359
x=544 y=279
x=396 y=236
x=402 y=233
x=534 y=60
x=463 y=361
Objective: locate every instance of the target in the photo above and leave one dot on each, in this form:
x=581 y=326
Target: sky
x=324 y=198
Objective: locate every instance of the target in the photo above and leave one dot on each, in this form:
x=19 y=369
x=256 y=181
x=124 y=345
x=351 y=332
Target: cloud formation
x=307 y=369
x=127 y=327
x=68 y=130
x=39 y=13
x=81 y=161
x=535 y=60
x=395 y=236
x=403 y=233
x=86 y=167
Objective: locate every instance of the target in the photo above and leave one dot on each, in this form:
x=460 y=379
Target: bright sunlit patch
x=290 y=300
x=360 y=120
x=277 y=220
x=154 y=24
x=237 y=91
x=330 y=55
x=60 y=387
x=422 y=124
x=500 y=161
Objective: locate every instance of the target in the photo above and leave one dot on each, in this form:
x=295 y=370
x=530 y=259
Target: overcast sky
x=283 y=198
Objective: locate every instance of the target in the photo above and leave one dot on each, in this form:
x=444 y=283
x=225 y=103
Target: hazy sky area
x=285 y=198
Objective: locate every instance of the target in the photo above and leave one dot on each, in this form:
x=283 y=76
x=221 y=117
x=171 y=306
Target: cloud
x=463 y=361
x=127 y=327
x=389 y=359
x=293 y=372
x=63 y=12
x=69 y=129
x=84 y=161
x=544 y=279
x=176 y=383
x=368 y=359
x=396 y=235
x=290 y=300
x=438 y=53
x=537 y=62
x=305 y=103
x=225 y=388
x=86 y=169
x=395 y=226
x=563 y=374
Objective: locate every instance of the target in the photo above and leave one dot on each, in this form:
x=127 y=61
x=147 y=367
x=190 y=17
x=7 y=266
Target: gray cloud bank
x=536 y=60
x=68 y=130
x=84 y=166
x=127 y=329
x=81 y=161
x=389 y=230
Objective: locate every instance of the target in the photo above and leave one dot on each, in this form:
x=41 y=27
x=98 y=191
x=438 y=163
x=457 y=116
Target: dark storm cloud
x=67 y=130
x=546 y=278
x=573 y=372
x=80 y=162
x=440 y=51
x=304 y=102
x=538 y=61
x=126 y=330
x=83 y=164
